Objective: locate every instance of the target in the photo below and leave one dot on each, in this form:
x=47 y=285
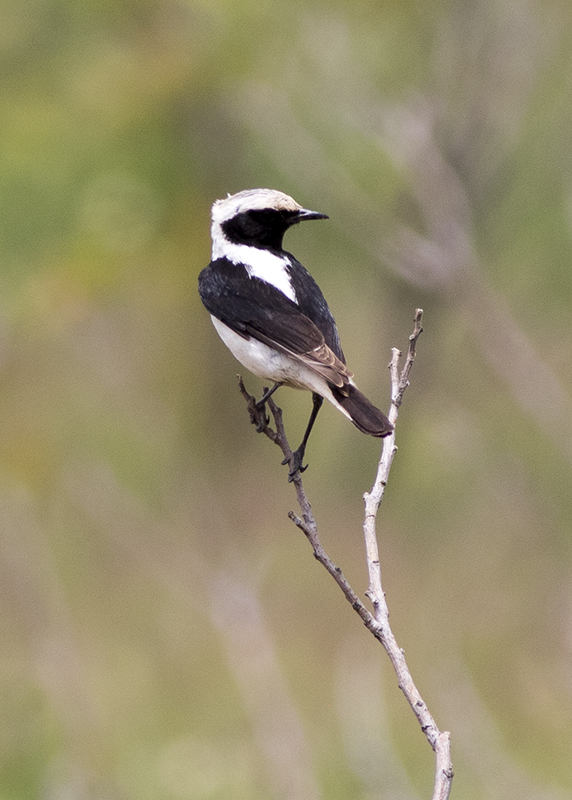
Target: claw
x=257 y=409
x=295 y=463
x=259 y=418
x=262 y=423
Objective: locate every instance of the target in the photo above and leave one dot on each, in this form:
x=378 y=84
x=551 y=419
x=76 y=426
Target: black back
x=312 y=303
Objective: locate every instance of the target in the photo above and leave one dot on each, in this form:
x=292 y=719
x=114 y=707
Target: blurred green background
x=165 y=632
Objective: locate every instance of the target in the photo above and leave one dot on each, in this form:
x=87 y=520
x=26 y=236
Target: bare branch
x=439 y=741
x=378 y=622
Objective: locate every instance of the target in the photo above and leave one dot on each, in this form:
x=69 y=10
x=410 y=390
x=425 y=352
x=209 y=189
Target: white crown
x=250 y=199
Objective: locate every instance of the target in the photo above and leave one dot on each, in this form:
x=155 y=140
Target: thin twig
x=378 y=622
x=439 y=741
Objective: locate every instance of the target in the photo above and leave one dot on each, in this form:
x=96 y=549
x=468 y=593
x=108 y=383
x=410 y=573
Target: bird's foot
x=295 y=464
x=256 y=410
x=258 y=415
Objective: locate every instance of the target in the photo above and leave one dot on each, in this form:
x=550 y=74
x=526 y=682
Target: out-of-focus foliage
x=165 y=632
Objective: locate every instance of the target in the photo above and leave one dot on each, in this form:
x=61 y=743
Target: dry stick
x=439 y=741
x=377 y=623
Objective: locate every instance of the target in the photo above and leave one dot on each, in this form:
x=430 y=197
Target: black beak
x=305 y=213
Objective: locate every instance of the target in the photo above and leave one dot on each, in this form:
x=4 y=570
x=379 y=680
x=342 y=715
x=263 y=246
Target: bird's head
x=257 y=217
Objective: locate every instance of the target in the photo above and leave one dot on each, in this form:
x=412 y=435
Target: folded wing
x=252 y=307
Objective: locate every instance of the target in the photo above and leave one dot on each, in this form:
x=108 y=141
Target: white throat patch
x=258 y=263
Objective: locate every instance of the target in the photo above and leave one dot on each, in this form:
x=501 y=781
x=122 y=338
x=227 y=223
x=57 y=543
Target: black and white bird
x=271 y=313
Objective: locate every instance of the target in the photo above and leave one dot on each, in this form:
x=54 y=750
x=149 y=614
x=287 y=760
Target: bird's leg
x=298 y=455
x=267 y=394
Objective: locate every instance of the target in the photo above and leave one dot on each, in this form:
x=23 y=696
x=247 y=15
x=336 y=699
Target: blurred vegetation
x=165 y=632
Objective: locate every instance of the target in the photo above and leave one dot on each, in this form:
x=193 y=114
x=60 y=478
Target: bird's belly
x=270 y=364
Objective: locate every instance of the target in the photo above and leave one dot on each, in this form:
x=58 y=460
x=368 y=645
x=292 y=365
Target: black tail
x=363 y=414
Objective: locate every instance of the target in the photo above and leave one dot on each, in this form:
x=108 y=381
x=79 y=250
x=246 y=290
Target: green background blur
x=165 y=631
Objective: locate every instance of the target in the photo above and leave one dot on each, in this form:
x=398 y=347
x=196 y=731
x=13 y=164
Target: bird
x=271 y=314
